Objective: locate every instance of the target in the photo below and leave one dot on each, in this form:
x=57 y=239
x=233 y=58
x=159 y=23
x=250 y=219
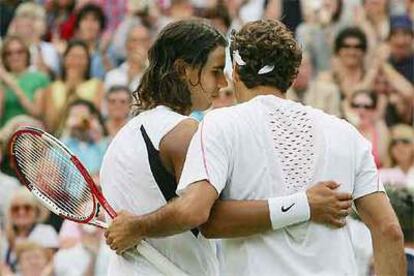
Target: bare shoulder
x=174 y=145
x=176 y=141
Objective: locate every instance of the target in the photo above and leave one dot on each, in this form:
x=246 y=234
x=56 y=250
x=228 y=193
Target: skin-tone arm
x=1 y=101
x=400 y=84
x=376 y=212
x=192 y=209
x=232 y=218
x=28 y=105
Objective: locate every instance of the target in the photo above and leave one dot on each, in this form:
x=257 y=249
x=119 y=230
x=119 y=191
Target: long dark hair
x=190 y=41
x=76 y=43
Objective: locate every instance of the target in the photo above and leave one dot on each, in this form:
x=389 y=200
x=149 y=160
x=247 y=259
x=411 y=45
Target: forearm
x=402 y=86
x=388 y=254
x=231 y=219
x=29 y=106
x=376 y=212
x=168 y=220
x=1 y=101
x=189 y=211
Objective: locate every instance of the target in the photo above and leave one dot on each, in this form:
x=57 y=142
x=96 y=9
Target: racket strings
x=49 y=168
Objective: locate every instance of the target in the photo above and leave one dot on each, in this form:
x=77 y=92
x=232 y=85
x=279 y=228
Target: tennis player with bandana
x=232 y=154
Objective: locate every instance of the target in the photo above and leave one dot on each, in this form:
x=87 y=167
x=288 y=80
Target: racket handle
x=159 y=261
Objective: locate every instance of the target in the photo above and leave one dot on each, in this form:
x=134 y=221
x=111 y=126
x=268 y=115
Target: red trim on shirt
x=203 y=151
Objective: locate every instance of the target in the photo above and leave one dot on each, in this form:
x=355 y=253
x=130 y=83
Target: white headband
x=239 y=61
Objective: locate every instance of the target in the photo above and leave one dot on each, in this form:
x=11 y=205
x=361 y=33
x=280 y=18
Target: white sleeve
x=208 y=156
x=367 y=178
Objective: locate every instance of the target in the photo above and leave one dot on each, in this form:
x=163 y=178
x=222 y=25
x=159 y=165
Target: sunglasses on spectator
x=25 y=207
x=353 y=46
x=401 y=141
x=15 y=52
x=362 y=106
x=121 y=101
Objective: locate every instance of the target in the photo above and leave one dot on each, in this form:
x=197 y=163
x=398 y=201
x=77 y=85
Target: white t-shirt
x=8 y=186
x=75 y=261
x=274 y=147
x=129 y=184
x=119 y=76
x=42 y=234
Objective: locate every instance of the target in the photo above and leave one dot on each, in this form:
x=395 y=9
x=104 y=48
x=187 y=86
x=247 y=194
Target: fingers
x=344 y=196
x=338 y=223
x=344 y=213
x=330 y=184
x=344 y=204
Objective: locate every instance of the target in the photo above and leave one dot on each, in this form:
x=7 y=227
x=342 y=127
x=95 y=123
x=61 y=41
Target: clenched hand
x=328 y=205
x=124 y=233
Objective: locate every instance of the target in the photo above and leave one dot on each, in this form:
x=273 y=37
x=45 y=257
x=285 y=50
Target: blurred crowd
x=70 y=66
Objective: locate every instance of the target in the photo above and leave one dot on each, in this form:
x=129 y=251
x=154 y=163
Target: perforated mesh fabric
x=294 y=143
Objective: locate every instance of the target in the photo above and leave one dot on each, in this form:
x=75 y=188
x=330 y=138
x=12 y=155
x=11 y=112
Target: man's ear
x=182 y=68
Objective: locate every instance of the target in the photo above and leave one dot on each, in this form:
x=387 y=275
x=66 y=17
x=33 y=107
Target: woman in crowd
x=364 y=116
x=30 y=23
x=349 y=72
x=23 y=223
x=85 y=134
x=75 y=84
x=19 y=87
x=401 y=150
x=317 y=33
x=373 y=18
x=118 y=102
x=61 y=17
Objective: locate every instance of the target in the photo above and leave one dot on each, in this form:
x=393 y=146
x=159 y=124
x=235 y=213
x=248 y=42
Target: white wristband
x=288 y=210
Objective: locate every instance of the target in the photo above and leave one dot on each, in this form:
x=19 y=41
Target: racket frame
x=163 y=264
x=95 y=191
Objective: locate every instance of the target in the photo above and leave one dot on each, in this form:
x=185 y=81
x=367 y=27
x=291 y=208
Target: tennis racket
x=62 y=184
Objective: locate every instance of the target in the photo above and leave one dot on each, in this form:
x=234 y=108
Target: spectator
x=89 y=25
x=23 y=223
x=84 y=134
x=75 y=84
x=119 y=100
x=85 y=251
x=373 y=19
x=61 y=19
x=348 y=71
x=410 y=9
x=401 y=46
x=219 y=16
x=129 y=72
x=7 y=131
x=178 y=10
x=364 y=116
x=8 y=186
x=143 y=13
x=402 y=200
x=390 y=86
x=7 y=9
x=316 y=35
x=30 y=24
x=34 y=259
x=19 y=87
x=316 y=93
x=114 y=10
x=401 y=152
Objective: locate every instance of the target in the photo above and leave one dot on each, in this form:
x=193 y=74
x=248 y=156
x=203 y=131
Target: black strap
x=164 y=179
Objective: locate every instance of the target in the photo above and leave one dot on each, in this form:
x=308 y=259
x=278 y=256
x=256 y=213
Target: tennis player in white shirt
x=253 y=174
